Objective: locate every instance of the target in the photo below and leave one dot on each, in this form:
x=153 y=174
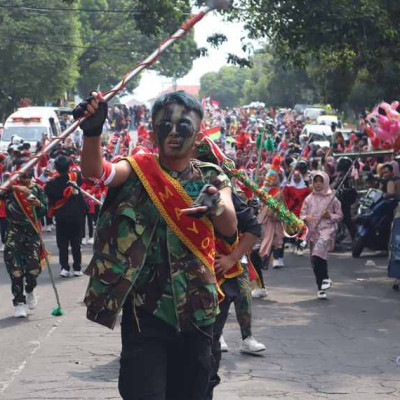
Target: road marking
x=15 y=372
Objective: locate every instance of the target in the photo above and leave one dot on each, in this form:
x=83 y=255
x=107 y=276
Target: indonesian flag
x=215 y=103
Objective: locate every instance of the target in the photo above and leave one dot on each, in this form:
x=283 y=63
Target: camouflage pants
x=22 y=259
x=243 y=304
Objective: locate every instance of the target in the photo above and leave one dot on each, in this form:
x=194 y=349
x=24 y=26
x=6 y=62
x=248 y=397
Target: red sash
x=224 y=248
x=68 y=192
x=29 y=212
x=169 y=197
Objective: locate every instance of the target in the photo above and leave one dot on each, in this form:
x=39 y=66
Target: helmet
x=343 y=164
x=302 y=166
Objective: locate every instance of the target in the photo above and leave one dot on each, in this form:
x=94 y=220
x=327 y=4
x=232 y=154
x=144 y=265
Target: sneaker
x=90 y=241
x=275 y=264
x=322 y=295
x=31 y=300
x=251 y=346
x=281 y=262
x=48 y=228
x=20 y=310
x=65 y=273
x=326 y=284
x=78 y=273
x=224 y=346
x=259 y=293
x=84 y=241
x=300 y=251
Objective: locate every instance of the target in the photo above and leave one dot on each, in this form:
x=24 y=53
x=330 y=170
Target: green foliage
x=30 y=65
x=345 y=47
x=58 y=46
x=226 y=85
x=269 y=80
x=116 y=43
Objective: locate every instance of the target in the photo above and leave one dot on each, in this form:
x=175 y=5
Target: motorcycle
x=374 y=220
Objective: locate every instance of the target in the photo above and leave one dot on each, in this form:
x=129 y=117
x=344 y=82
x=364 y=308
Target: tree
x=34 y=62
x=334 y=40
x=225 y=86
x=115 y=43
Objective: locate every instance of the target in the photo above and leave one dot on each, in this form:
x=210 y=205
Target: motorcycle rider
x=389 y=183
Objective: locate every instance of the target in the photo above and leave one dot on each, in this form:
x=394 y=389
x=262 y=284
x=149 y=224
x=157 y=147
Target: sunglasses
x=183 y=128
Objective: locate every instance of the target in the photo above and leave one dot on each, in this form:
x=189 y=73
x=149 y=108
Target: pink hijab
x=326 y=190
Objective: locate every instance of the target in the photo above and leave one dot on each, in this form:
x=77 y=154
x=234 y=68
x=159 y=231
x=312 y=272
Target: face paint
x=175 y=130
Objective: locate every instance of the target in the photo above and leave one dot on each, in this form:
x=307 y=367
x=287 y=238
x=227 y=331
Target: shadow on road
x=10 y=322
x=104 y=373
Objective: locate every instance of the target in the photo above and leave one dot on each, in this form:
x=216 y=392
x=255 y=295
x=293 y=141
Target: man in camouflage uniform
x=23 y=247
x=168 y=296
x=236 y=289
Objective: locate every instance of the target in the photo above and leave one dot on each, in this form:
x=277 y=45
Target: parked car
x=321 y=135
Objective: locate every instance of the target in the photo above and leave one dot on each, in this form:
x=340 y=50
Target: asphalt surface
x=342 y=348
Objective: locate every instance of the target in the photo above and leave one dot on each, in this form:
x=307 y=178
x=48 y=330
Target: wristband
x=108 y=173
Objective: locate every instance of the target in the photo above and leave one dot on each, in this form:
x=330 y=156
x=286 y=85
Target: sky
x=152 y=84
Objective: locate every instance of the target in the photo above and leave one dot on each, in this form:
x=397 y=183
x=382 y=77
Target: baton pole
x=150 y=60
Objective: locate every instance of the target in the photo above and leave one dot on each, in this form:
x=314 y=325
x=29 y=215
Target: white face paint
x=175 y=131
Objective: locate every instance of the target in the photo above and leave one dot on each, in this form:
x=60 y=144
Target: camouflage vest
x=125 y=252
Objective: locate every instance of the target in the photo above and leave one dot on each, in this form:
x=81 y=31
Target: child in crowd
x=272 y=237
x=321 y=211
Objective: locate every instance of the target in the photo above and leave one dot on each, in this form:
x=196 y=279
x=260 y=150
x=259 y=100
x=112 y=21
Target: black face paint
x=184 y=129
x=175 y=130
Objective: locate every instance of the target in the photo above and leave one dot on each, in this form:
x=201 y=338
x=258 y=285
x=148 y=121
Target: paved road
x=343 y=348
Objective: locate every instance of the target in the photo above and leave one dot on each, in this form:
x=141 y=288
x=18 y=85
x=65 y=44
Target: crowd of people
x=183 y=207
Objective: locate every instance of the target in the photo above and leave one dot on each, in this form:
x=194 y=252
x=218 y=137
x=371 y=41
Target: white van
x=328 y=120
x=30 y=124
x=312 y=113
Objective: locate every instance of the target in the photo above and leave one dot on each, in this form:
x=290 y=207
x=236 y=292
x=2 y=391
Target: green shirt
x=136 y=252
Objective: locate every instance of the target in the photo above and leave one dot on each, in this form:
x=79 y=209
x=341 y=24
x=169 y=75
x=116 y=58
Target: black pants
x=158 y=363
x=69 y=233
x=231 y=291
x=3 y=229
x=257 y=262
x=89 y=218
x=320 y=267
x=348 y=222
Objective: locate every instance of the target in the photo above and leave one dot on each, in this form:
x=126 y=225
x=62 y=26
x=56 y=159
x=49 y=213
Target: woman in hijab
x=321 y=211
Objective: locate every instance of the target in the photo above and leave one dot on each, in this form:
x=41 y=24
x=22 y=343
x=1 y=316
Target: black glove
x=92 y=126
x=205 y=199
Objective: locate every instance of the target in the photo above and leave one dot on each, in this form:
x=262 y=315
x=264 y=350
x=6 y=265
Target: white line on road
x=15 y=372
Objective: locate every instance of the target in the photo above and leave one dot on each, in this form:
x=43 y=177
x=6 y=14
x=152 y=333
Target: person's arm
x=336 y=214
x=226 y=223
x=39 y=202
x=304 y=211
x=223 y=263
x=390 y=189
x=92 y=163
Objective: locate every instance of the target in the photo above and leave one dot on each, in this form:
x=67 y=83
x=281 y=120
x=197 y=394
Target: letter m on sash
x=166 y=195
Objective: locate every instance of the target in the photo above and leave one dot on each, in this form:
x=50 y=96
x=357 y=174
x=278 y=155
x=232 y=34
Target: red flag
x=306 y=152
x=203 y=101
